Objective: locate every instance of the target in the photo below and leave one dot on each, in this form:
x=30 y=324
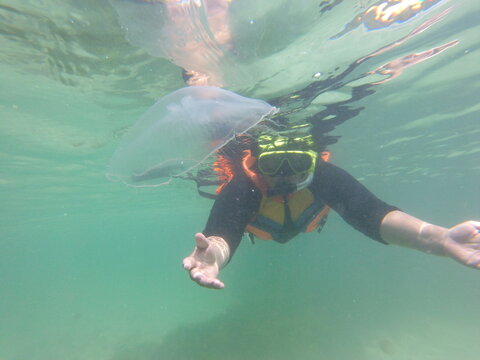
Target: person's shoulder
x=325 y=168
x=326 y=172
x=241 y=182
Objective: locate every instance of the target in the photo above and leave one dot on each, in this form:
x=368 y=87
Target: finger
x=476 y=224
x=217 y=284
x=466 y=257
x=474 y=260
x=188 y=263
x=201 y=240
x=213 y=284
x=201 y=279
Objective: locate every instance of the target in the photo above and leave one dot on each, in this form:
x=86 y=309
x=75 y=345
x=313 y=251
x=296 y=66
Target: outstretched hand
x=203 y=264
x=462 y=243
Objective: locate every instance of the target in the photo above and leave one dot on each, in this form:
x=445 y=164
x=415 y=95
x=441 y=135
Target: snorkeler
x=276 y=180
x=279 y=186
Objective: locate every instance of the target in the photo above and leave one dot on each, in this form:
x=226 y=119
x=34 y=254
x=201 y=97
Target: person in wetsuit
x=284 y=185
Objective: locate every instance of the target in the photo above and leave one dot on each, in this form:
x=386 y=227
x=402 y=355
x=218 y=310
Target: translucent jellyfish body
x=180 y=131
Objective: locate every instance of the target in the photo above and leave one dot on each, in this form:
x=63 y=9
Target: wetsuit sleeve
x=351 y=200
x=233 y=209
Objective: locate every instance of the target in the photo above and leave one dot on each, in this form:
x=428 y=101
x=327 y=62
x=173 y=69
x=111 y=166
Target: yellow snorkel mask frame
x=277 y=150
x=300 y=162
x=289 y=155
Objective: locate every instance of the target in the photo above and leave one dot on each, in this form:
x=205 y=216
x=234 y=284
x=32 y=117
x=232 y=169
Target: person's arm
x=461 y=242
x=387 y=224
x=359 y=207
x=230 y=214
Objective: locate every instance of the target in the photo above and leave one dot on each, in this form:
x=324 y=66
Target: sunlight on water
x=91 y=269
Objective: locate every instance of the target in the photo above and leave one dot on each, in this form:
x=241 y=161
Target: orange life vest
x=306 y=214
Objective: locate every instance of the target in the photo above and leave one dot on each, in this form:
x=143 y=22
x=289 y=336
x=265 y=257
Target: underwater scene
x=113 y=114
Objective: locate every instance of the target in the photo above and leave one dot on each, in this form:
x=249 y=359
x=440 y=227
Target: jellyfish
x=181 y=131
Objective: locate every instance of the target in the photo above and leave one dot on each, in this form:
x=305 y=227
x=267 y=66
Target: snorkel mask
x=289 y=162
x=287 y=158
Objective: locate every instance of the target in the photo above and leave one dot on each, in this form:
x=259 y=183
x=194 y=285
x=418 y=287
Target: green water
x=91 y=269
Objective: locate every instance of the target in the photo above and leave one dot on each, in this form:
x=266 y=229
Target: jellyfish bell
x=181 y=131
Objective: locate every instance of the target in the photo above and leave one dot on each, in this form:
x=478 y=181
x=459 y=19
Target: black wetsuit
x=240 y=199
